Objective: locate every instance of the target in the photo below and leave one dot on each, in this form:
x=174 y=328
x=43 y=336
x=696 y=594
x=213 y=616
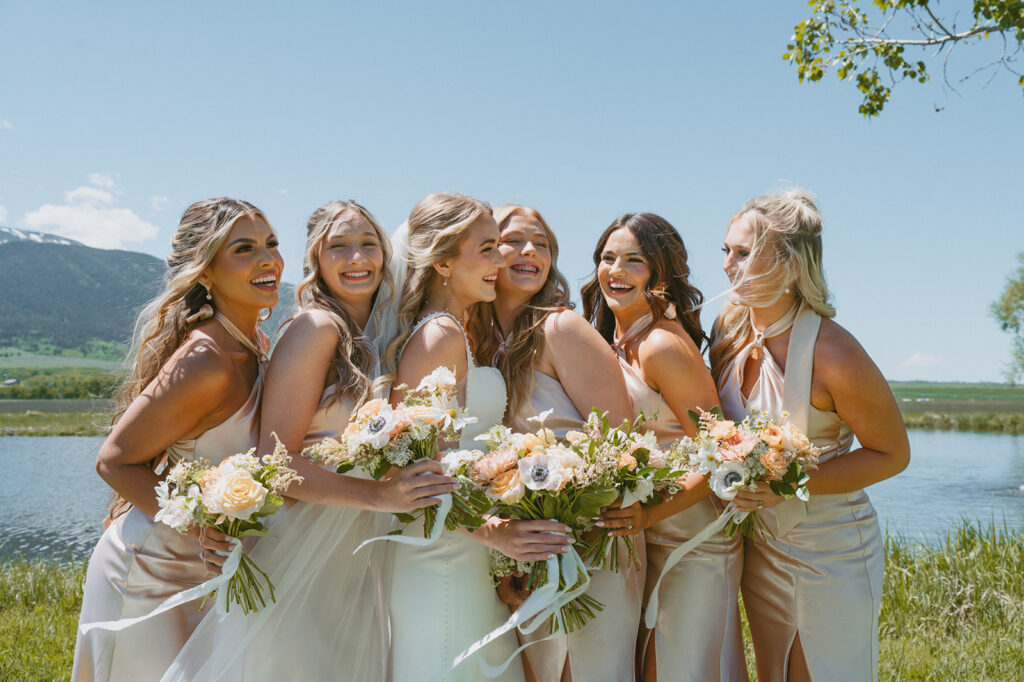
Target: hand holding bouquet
x=741 y=455
x=232 y=497
x=380 y=437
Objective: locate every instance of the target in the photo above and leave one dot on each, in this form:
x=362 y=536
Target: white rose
x=235 y=494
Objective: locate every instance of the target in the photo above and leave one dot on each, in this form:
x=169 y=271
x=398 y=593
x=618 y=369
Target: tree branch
x=951 y=38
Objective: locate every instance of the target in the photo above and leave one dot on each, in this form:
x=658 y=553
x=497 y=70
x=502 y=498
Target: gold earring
x=265 y=314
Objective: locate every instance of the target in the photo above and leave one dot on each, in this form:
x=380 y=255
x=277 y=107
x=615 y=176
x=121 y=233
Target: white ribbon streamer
x=542 y=603
x=228 y=570
x=435 y=532
x=730 y=514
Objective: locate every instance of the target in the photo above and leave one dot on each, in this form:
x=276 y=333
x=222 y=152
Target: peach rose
x=723 y=430
x=489 y=467
x=575 y=437
x=794 y=439
x=531 y=442
x=372 y=408
x=235 y=494
x=627 y=461
x=772 y=435
x=775 y=461
x=507 y=487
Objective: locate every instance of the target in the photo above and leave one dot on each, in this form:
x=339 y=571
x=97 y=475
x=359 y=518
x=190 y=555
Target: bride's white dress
x=441 y=596
x=330 y=621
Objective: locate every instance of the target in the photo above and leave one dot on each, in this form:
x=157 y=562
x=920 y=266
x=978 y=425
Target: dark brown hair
x=669 y=283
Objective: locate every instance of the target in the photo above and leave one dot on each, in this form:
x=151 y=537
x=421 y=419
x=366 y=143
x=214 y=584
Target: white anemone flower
x=453 y=459
x=377 y=432
x=543 y=471
x=704 y=458
x=727 y=479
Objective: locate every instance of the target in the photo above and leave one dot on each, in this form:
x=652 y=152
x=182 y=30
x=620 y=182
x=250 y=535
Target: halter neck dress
x=139 y=563
x=605 y=649
x=821 y=576
x=441 y=598
x=697 y=635
x=330 y=620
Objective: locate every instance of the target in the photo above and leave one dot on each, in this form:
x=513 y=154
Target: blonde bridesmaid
x=642 y=302
x=552 y=359
x=812 y=592
x=321 y=370
x=193 y=393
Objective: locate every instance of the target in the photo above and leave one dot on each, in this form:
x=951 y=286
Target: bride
x=441 y=596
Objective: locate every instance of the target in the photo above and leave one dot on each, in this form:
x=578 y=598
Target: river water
x=52 y=501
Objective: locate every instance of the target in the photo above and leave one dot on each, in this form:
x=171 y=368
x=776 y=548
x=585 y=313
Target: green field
x=953 y=611
x=997 y=408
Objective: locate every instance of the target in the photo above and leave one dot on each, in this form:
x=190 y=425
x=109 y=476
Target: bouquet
x=531 y=476
x=231 y=497
x=741 y=455
x=379 y=437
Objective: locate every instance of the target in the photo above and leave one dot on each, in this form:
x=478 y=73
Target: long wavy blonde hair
x=437 y=226
x=787 y=253
x=167 y=320
x=353 y=359
x=524 y=345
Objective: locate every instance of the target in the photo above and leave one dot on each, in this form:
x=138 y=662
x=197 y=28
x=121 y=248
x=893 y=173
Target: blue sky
x=115 y=116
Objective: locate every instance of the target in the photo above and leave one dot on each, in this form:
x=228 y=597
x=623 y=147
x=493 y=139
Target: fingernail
x=604 y=509
x=599 y=524
x=572 y=541
x=550 y=556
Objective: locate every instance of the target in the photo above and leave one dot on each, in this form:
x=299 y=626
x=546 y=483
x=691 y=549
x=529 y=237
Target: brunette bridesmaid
x=813 y=592
x=642 y=302
x=552 y=359
x=193 y=393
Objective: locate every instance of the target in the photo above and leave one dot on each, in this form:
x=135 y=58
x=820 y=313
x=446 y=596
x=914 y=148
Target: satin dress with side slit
x=603 y=650
x=139 y=563
x=820 y=577
x=697 y=635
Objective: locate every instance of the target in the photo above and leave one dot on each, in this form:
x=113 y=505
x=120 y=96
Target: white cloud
x=3 y=214
x=101 y=180
x=5 y=124
x=158 y=203
x=89 y=195
x=89 y=215
x=921 y=360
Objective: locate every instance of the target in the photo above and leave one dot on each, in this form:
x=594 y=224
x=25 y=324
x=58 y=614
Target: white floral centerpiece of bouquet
x=232 y=497
x=739 y=455
x=380 y=437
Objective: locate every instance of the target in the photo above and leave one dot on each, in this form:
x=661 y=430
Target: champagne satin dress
x=821 y=576
x=139 y=563
x=698 y=635
x=329 y=620
x=441 y=598
x=604 y=650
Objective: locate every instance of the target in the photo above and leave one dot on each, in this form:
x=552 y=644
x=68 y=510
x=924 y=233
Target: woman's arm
x=672 y=363
x=295 y=381
x=586 y=366
x=184 y=400
x=863 y=400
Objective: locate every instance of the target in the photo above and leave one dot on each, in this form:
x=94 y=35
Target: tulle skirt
x=329 y=621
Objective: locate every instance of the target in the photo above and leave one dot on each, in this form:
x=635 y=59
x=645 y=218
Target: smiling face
x=623 y=274
x=472 y=274
x=351 y=260
x=246 y=270
x=526 y=248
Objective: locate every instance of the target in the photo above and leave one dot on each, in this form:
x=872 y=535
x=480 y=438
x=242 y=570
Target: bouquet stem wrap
x=731 y=514
x=229 y=569
x=542 y=604
x=435 y=531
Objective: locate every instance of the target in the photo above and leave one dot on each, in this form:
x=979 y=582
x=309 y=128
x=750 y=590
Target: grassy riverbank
x=950 y=611
x=38 y=423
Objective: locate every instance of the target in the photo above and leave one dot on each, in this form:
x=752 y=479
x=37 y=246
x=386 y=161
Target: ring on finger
x=202 y=554
x=760 y=505
x=629 y=524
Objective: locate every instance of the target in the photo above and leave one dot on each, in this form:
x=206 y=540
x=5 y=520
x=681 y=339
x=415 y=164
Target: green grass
x=33 y=423
x=950 y=611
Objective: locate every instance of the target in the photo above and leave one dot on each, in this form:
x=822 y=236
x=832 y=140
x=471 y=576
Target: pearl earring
x=209 y=296
x=445 y=283
x=786 y=290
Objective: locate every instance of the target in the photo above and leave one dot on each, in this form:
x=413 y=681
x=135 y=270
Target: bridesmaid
x=813 y=592
x=552 y=359
x=193 y=393
x=441 y=596
x=321 y=370
x=641 y=300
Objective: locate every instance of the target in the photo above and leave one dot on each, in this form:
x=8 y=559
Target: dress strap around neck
x=444 y=313
x=796 y=386
x=239 y=336
x=634 y=330
x=775 y=328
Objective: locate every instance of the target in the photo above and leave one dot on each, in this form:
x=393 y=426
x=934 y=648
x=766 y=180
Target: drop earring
x=445 y=283
x=209 y=295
